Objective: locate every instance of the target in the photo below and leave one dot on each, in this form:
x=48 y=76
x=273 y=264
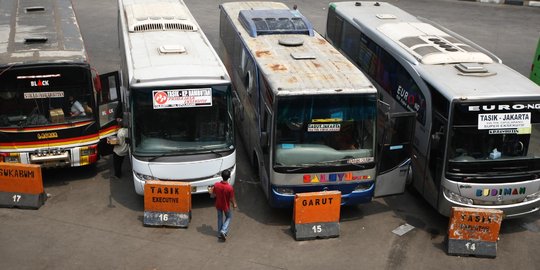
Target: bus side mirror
x=264 y=141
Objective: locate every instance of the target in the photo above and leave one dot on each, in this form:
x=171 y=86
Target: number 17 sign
x=21 y=185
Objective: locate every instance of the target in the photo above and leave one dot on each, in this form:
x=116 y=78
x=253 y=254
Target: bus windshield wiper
x=166 y=154
x=216 y=152
x=297 y=168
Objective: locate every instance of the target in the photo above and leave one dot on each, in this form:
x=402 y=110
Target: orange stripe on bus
x=47 y=128
x=83 y=139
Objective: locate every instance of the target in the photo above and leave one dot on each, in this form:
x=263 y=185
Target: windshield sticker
x=287 y=146
x=186 y=98
x=519 y=121
x=324 y=127
x=36 y=95
x=360 y=160
x=39 y=76
x=396 y=147
x=510 y=131
x=326 y=120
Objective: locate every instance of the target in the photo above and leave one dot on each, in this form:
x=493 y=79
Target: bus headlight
x=12 y=158
x=532 y=197
x=143 y=177
x=218 y=175
x=456 y=197
x=86 y=151
x=363 y=186
x=285 y=190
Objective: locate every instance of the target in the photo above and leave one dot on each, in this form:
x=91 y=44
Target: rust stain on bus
x=262 y=53
x=278 y=67
x=292 y=80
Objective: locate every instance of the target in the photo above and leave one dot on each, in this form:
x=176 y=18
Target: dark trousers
x=117 y=163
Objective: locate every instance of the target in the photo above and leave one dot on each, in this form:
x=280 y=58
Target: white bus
x=54 y=111
x=177 y=97
x=306 y=114
x=477 y=138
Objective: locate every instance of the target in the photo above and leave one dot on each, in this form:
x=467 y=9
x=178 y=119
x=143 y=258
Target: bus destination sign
x=182 y=98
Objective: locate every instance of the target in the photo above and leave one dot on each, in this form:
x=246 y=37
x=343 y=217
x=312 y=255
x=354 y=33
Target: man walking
x=224 y=194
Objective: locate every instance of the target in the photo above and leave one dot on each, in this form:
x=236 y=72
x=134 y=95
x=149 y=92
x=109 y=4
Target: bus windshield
x=325 y=130
x=479 y=137
x=177 y=125
x=45 y=95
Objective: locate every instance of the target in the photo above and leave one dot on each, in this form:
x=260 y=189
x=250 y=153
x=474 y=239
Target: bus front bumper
x=197 y=187
x=514 y=210
x=351 y=194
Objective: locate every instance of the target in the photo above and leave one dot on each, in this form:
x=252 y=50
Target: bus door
x=395 y=147
x=108 y=99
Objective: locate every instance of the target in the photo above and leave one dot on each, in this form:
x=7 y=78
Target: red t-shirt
x=224 y=194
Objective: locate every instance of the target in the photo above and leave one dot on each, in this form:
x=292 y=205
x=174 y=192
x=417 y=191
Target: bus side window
x=226 y=32
x=333 y=27
x=351 y=41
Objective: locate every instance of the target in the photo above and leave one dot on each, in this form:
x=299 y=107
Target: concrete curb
x=509 y=2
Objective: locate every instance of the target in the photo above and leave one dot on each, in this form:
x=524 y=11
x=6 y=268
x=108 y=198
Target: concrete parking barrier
x=21 y=186
x=316 y=215
x=167 y=204
x=474 y=232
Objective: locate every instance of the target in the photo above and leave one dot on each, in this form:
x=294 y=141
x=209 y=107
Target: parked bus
x=53 y=111
x=177 y=96
x=477 y=136
x=306 y=114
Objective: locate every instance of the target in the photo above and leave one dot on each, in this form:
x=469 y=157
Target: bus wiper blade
x=300 y=167
x=216 y=152
x=166 y=154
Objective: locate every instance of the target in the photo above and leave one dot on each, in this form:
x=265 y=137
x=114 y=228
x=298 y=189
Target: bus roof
x=39 y=31
x=294 y=60
x=457 y=67
x=165 y=44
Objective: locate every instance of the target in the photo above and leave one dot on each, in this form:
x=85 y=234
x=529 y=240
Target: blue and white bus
x=306 y=114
